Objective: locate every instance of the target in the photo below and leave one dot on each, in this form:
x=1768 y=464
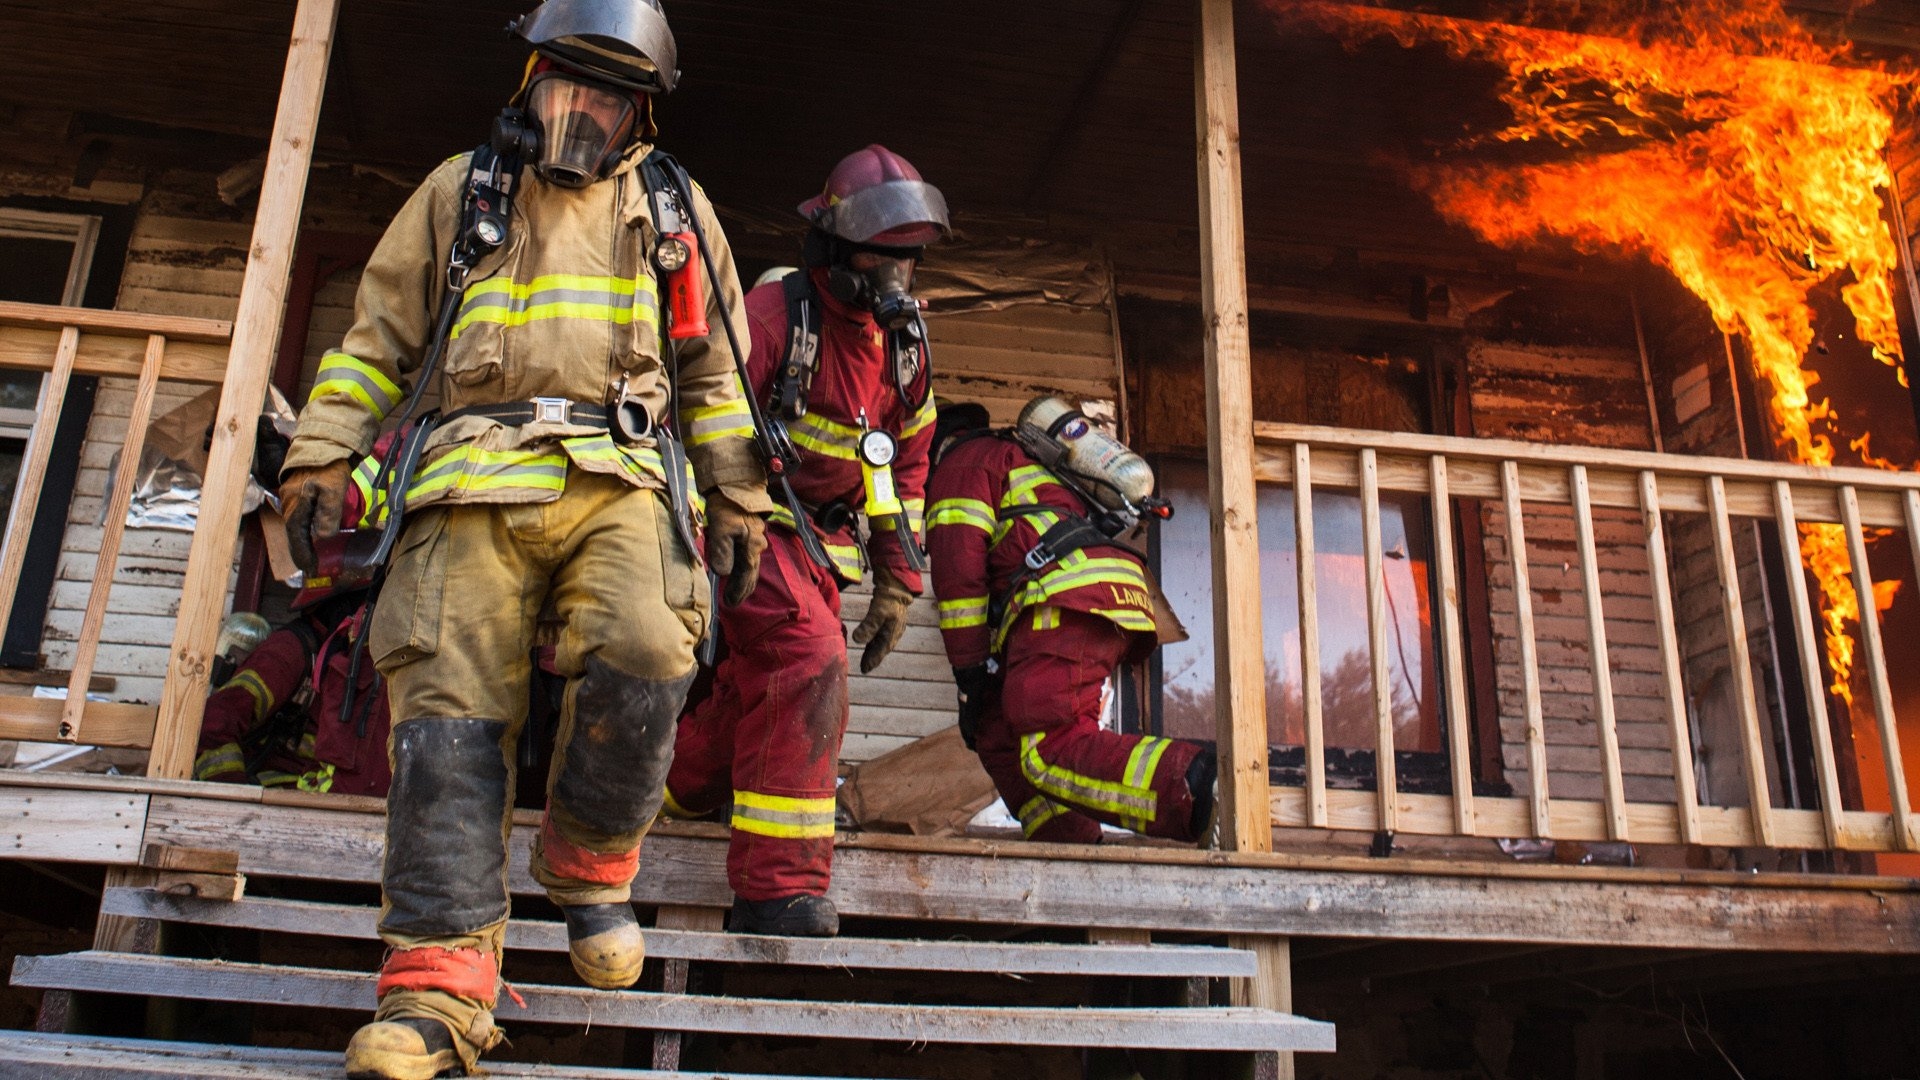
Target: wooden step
x=873 y=954
x=1230 y=1029
x=26 y=1055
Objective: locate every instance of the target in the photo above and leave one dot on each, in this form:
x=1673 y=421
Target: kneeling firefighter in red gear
x=839 y=358
x=295 y=714
x=1039 y=602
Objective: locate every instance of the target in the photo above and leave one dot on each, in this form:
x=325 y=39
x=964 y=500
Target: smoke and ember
x=1720 y=140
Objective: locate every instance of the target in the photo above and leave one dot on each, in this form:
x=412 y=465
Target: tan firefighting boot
x=411 y=1048
x=605 y=944
x=435 y=1015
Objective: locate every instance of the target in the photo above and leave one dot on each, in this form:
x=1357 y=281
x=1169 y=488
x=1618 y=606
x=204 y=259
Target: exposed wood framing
x=1240 y=691
x=255 y=336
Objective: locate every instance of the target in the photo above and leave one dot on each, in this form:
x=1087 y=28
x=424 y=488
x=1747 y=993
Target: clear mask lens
x=583 y=128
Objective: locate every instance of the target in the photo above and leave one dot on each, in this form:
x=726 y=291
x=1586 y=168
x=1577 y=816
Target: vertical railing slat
x=1904 y=837
x=1612 y=777
x=1734 y=611
x=1806 y=632
x=1453 y=667
x=1539 y=799
x=91 y=624
x=1385 y=768
x=33 y=467
x=1313 y=718
x=1686 y=795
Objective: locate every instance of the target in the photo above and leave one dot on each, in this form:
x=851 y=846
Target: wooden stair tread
x=26 y=1055
x=355 y=921
x=1230 y=1029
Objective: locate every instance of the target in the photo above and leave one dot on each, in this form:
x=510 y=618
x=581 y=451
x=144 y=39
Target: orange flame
x=1718 y=139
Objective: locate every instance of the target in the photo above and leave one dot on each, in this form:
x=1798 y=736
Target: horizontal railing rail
x=1513 y=475
x=62 y=342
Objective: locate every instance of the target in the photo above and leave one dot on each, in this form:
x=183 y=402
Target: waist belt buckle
x=552 y=410
x=1039 y=557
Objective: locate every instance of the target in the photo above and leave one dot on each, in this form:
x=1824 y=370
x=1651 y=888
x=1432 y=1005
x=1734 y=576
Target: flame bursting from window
x=1717 y=138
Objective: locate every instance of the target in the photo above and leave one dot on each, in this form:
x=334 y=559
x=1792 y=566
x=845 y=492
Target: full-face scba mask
x=584 y=127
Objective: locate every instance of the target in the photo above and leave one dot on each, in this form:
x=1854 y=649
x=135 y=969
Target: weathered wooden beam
x=1166 y=889
x=1240 y=671
x=1143 y=1028
x=31 y=348
x=130 y=324
x=709 y=944
x=256 y=333
x=28 y=1056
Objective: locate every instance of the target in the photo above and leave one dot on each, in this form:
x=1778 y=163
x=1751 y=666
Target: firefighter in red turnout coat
x=1038 y=604
x=839 y=358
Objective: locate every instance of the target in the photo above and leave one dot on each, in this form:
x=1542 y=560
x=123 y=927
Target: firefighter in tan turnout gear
x=549 y=480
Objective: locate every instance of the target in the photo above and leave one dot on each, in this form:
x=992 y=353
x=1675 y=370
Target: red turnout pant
x=1059 y=773
x=766 y=737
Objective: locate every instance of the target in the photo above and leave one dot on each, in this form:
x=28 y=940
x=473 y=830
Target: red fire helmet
x=875 y=196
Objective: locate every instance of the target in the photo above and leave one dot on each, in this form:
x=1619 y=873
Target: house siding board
x=1581 y=397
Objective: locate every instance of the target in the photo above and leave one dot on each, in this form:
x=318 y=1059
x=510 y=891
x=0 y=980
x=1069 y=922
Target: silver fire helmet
x=626 y=42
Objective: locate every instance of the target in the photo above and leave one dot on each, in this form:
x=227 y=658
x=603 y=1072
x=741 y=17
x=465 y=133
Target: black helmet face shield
x=584 y=128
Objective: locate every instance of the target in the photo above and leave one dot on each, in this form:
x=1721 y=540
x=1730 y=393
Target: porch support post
x=1240 y=691
x=256 y=332
x=1240 y=682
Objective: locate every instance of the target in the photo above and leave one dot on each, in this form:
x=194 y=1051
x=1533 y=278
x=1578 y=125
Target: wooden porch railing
x=1517 y=474
x=61 y=343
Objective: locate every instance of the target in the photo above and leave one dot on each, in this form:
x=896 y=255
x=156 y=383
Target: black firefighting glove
x=735 y=539
x=886 y=619
x=979 y=686
x=311 y=500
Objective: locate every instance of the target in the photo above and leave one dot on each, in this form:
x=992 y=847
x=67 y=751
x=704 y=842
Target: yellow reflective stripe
x=276 y=778
x=1127 y=618
x=1046 y=617
x=964 y=512
x=1024 y=483
x=1141 y=765
x=963 y=613
x=847 y=561
x=916 y=514
x=1119 y=799
x=711 y=423
x=468 y=468
x=673 y=808
x=374 y=502
x=1080 y=569
x=638 y=460
x=558 y=296
x=1037 y=812
x=343 y=374
x=782 y=816
x=219 y=761
x=262 y=697
x=319 y=780
x=823 y=436
x=1041 y=520
x=921 y=420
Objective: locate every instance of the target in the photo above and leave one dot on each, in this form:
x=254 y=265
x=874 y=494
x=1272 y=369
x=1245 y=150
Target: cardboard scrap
x=929 y=787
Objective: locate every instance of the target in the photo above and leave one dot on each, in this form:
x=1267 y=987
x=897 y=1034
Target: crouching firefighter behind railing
x=555 y=476
x=1040 y=600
